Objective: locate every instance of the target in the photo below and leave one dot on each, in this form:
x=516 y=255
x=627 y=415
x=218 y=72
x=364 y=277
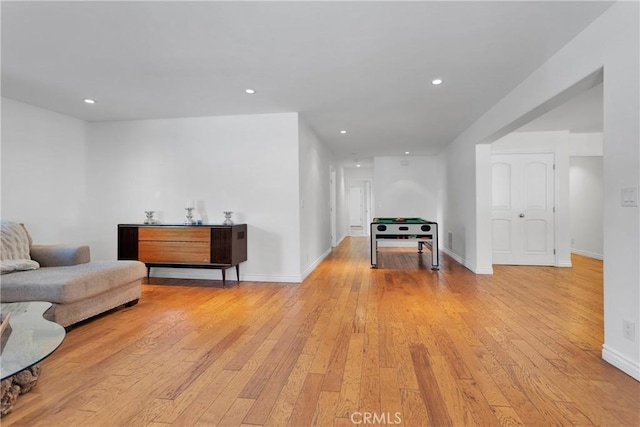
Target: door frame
x=368 y=205
x=332 y=206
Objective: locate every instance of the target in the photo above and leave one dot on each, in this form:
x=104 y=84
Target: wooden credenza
x=189 y=246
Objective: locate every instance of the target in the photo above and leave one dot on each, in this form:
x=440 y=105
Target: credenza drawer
x=164 y=251
x=183 y=234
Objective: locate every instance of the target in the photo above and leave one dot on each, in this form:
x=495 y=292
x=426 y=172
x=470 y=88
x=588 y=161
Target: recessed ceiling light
x=343 y=131
x=357 y=166
x=406 y=152
x=89 y=101
x=250 y=91
x=436 y=82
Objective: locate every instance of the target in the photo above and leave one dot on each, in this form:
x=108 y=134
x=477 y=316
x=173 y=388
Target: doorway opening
x=359 y=206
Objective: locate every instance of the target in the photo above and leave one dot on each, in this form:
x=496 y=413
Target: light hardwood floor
x=399 y=345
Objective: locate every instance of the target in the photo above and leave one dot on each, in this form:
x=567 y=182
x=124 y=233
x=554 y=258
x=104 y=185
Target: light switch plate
x=629 y=196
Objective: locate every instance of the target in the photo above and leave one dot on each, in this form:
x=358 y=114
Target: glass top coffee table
x=32 y=337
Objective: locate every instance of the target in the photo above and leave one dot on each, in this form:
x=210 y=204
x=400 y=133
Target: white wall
x=315 y=219
x=43 y=173
x=586 y=144
x=558 y=144
x=72 y=182
x=406 y=186
x=458 y=203
x=611 y=43
x=356 y=176
x=246 y=164
x=483 y=212
x=586 y=177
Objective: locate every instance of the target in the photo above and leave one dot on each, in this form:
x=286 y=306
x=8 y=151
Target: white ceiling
x=361 y=66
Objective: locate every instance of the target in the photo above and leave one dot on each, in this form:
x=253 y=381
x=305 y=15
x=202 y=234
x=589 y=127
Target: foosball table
x=424 y=232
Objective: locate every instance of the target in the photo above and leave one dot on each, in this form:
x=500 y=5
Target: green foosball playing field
x=400 y=221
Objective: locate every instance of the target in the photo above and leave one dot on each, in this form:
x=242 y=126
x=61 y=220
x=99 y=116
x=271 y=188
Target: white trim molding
x=315 y=264
x=587 y=254
x=618 y=360
x=467 y=264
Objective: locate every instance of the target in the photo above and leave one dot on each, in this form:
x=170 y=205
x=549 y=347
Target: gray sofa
x=77 y=287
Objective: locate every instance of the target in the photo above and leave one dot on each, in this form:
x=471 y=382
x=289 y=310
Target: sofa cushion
x=59 y=255
x=14 y=252
x=11 y=265
x=62 y=285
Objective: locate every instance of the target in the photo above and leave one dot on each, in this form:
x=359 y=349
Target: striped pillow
x=14 y=250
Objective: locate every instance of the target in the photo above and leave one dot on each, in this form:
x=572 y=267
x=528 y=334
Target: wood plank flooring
x=397 y=345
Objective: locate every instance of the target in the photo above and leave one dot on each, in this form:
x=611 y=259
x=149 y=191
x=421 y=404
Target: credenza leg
x=224 y=277
x=238 y=272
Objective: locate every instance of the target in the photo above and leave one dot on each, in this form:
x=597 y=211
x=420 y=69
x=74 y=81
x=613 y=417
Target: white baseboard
x=486 y=270
x=587 y=254
x=467 y=264
x=564 y=263
x=315 y=264
x=616 y=359
x=454 y=255
x=267 y=278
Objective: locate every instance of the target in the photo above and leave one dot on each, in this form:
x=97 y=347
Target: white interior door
x=522 y=220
